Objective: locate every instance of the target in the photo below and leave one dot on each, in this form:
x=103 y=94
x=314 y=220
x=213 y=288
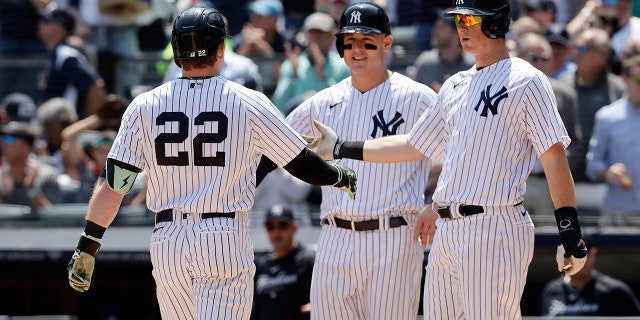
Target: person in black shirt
x=283 y=277
x=588 y=293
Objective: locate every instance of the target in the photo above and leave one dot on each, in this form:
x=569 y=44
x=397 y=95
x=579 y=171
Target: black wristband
x=88 y=245
x=568 y=223
x=348 y=149
x=94 y=230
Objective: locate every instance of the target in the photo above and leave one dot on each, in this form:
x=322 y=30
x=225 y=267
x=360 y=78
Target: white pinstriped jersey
x=201 y=142
x=493 y=123
x=392 y=107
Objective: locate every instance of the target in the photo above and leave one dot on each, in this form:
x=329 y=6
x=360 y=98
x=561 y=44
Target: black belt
x=167 y=215
x=465 y=210
x=366 y=225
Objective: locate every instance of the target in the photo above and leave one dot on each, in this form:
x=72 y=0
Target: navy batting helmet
x=197 y=32
x=496 y=14
x=364 y=18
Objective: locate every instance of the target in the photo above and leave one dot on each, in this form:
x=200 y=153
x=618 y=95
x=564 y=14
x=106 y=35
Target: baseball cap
x=319 y=21
x=20 y=130
x=279 y=213
x=267 y=7
x=557 y=33
x=19 y=107
x=63 y=17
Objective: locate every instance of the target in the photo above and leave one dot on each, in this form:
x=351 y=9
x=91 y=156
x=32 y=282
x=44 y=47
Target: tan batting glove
x=80 y=270
x=570 y=265
x=572 y=251
x=325 y=144
x=81 y=265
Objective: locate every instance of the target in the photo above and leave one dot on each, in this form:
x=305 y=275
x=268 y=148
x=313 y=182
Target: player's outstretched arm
x=388 y=149
x=103 y=208
x=310 y=168
x=572 y=252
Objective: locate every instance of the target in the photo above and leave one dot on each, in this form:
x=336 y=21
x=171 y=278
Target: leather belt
x=167 y=215
x=445 y=212
x=367 y=225
x=465 y=210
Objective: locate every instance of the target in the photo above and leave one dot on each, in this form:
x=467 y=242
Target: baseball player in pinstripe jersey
x=366 y=263
x=200 y=138
x=489 y=124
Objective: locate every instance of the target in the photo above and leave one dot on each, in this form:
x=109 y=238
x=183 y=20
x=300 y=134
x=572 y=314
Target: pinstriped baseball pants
x=477 y=266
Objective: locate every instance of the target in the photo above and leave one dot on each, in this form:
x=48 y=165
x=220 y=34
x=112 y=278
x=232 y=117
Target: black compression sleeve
x=310 y=168
x=264 y=167
x=348 y=149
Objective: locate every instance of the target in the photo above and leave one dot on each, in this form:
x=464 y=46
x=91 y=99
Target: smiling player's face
x=366 y=51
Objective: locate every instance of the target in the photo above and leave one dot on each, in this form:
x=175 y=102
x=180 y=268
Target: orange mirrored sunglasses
x=467 y=20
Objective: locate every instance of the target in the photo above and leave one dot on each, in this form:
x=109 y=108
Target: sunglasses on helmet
x=467 y=20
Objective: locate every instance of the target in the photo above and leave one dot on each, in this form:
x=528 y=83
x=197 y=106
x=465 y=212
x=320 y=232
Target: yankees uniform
x=200 y=139
x=367 y=266
x=488 y=124
x=494 y=123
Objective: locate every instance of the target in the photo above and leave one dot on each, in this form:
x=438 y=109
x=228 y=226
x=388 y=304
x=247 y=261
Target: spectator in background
x=543 y=11
x=535 y=49
x=263 y=35
x=614 y=154
x=628 y=25
x=560 y=61
x=19 y=39
x=335 y=9
x=433 y=67
x=427 y=12
x=86 y=144
x=67 y=74
x=588 y=293
x=283 y=278
x=596 y=87
x=24 y=180
x=17 y=107
x=262 y=39
x=317 y=67
x=54 y=115
x=295 y=12
x=520 y=27
x=112 y=28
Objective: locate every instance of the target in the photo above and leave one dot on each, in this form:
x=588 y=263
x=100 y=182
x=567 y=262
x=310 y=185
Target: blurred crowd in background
x=69 y=68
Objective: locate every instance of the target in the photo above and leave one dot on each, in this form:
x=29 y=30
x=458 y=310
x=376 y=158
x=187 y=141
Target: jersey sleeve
x=428 y=132
x=543 y=123
x=127 y=146
x=301 y=118
x=275 y=138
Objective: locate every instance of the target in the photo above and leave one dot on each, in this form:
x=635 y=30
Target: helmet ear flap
x=496 y=26
x=340 y=44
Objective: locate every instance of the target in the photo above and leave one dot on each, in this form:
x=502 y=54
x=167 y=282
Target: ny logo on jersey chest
x=490 y=101
x=387 y=128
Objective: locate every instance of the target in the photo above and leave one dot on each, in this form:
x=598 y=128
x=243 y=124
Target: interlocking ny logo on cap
x=355 y=17
x=459 y=2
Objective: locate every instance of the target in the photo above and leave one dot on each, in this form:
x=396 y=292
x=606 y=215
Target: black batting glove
x=346 y=180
